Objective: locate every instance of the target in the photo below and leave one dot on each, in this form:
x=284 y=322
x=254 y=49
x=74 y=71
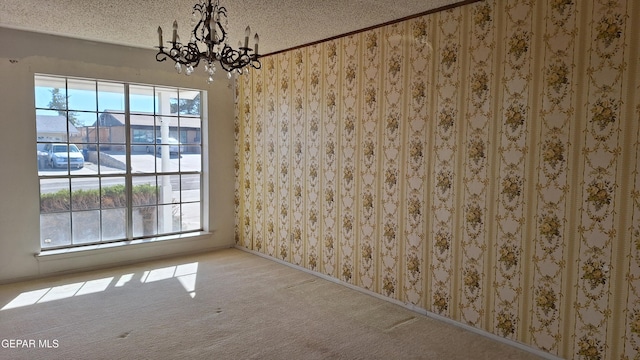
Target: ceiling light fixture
x=209 y=44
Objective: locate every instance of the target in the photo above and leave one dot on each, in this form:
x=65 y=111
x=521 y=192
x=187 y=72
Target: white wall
x=22 y=54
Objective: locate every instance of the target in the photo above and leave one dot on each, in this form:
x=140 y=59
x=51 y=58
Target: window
x=116 y=161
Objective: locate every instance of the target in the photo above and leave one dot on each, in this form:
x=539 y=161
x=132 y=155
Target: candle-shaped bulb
x=175 y=30
x=256 y=38
x=159 y=36
x=247 y=32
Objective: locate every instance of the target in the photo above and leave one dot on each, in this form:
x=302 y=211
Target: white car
x=174 y=146
x=63 y=155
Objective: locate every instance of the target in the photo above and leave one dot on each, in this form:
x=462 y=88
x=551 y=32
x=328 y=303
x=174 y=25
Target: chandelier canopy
x=209 y=44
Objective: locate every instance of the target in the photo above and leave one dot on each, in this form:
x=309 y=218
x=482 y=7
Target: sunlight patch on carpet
x=186 y=274
x=59 y=292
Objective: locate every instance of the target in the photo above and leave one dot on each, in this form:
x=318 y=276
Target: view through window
x=116 y=161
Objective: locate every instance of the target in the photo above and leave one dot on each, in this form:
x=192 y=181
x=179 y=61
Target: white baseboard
x=411 y=307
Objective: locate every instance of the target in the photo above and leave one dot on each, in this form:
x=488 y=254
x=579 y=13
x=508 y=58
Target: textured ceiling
x=282 y=24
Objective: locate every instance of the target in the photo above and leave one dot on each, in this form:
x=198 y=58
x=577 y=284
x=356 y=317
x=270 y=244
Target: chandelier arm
x=236 y=59
x=200 y=25
x=162 y=56
x=190 y=55
x=230 y=59
x=256 y=64
x=223 y=12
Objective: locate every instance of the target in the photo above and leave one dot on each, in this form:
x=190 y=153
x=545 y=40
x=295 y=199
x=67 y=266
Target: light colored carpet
x=227 y=304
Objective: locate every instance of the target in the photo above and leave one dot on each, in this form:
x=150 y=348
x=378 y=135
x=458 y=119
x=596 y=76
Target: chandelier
x=209 y=44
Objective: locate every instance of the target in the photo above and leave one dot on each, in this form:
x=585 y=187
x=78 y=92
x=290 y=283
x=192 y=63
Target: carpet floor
x=227 y=304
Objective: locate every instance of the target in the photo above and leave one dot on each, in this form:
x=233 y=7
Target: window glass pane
x=141 y=99
x=167 y=126
x=167 y=100
x=145 y=221
x=189 y=161
x=90 y=136
x=143 y=134
x=183 y=136
x=79 y=127
x=115 y=134
x=55 y=229
x=110 y=97
x=144 y=163
x=45 y=155
x=145 y=191
x=177 y=217
x=55 y=221
x=111 y=159
x=113 y=193
x=85 y=193
x=85 y=226
x=190 y=130
x=189 y=103
x=141 y=139
x=168 y=189
x=51 y=127
x=108 y=119
x=114 y=224
x=54 y=195
x=62 y=157
x=168 y=218
x=50 y=92
x=167 y=158
x=191 y=216
x=81 y=95
x=190 y=187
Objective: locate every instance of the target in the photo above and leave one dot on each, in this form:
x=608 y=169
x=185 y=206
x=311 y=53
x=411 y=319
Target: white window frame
x=195 y=174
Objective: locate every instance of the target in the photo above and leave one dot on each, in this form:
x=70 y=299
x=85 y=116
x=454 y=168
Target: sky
x=86 y=102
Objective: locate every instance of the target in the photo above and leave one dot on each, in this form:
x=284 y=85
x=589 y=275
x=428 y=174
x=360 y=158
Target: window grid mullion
x=128 y=178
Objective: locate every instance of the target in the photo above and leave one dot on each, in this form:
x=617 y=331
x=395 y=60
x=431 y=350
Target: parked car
x=61 y=155
x=174 y=146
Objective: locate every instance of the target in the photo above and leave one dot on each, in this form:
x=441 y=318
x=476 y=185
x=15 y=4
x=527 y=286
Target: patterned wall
x=482 y=163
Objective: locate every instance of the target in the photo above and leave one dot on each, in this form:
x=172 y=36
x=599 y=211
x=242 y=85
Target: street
x=141 y=164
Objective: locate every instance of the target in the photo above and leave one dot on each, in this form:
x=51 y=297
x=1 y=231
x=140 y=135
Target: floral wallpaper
x=482 y=163
x=473 y=243
x=513 y=176
x=553 y=183
x=414 y=165
x=446 y=89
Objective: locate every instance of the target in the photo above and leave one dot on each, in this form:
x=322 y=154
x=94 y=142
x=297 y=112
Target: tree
x=59 y=102
x=186 y=106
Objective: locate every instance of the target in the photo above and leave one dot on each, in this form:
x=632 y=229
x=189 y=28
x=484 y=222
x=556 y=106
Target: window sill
x=121 y=245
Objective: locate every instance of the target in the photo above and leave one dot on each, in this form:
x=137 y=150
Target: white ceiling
x=282 y=24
